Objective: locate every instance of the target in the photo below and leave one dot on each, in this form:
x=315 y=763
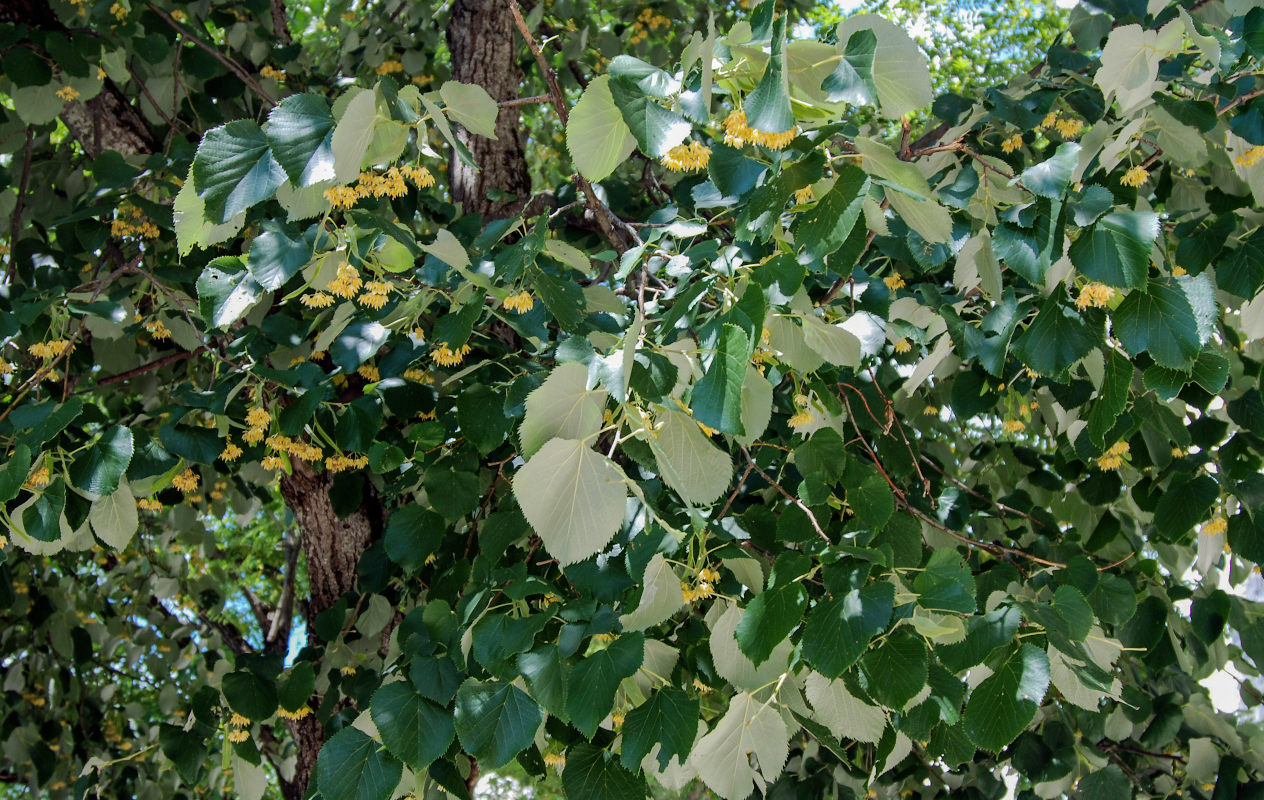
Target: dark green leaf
x=823 y=228
x=277 y=254
x=414 y=729
x=594 y=773
x=250 y=695
x=1184 y=505
x=593 y=681
x=894 y=672
x=1116 y=250
x=98 y=470
x=852 y=80
x=1242 y=271
x=768 y=106
x=42 y=519
x=1050 y=178
x=1058 y=337
x=226 y=291
x=495 y=721
x=669 y=719
x=838 y=629
x=1006 y=702
x=234 y=169
x=717 y=397
x=300 y=130
x=769 y=618
x=357 y=343
x=1159 y=321
x=412 y=534
x=352 y=766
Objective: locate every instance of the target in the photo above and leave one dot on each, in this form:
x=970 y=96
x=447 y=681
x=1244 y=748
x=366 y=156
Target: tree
x=725 y=430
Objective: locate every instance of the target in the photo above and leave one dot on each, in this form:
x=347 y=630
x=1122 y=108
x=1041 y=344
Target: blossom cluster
x=737 y=133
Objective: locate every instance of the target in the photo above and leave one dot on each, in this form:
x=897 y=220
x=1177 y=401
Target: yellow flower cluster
x=445 y=357
x=1094 y=295
x=5 y=367
x=269 y=71
x=738 y=133
x=1214 y=526
x=186 y=481
x=343 y=463
x=258 y=419
x=801 y=418
x=416 y=375
x=299 y=714
x=68 y=93
x=316 y=300
x=903 y=346
x=39 y=478
x=648 y=20
x=1135 y=176
x=369 y=372
x=272 y=462
x=1251 y=157
x=1012 y=143
x=1178 y=271
x=387 y=184
x=1114 y=457
x=131 y=221
x=930 y=411
x=119 y=11
x=347 y=670
x=231 y=451
x=1013 y=426
x=148 y=504
x=179 y=16
x=347 y=283
x=894 y=282
x=238 y=735
x=389 y=66
x=555 y=760
x=519 y=303
x=687 y=157
x=50 y=349
x=307 y=452
x=804 y=195
x=704 y=588
x=375 y=294
x=157 y=329
x=4 y=542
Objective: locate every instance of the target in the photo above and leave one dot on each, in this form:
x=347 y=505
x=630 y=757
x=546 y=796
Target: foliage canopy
x=726 y=430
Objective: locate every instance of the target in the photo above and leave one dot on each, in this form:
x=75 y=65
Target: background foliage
x=775 y=414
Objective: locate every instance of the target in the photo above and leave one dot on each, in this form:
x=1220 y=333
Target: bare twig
x=152 y=365
x=523 y=101
x=816 y=526
x=231 y=65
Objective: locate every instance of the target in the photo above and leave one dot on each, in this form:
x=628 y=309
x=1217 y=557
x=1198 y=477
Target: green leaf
x=872 y=501
x=852 y=80
x=689 y=462
x=717 y=397
x=894 y=672
x=186 y=750
x=413 y=729
x=769 y=619
x=592 y=683
x=14 y=473
x=1112 y=396
x=573 y=497
x=352 y=766
x=761 y=215
x=1241 y=272
x=1006 y=702
x=1159 y=321
x=900 y=74
x=353 y=134
x=114 y=518
x=278 y=253
x=42 y=520
x=661 y=596
x=563 y=299
x=250 y=695
x=1116 y=250
x=226 y=291
x=596 y=135
x=1059 y=336
x=846 y=716
x=649 y=79
x=495 y=721
x=357 y=343
x=1051 y=178
x=909 y=193
x=768 y=106
x=235 y=170
x=656 y=129
x=562 y=407
x=1108 y=783
x=669 y=719
x=984 y=634
x=823 y=228
x=946 y=584
x=297 y=686
x=470 y=105
x=412 y=534
x=838 y=629
x=750 y=726
x=594 y=772
x=300 y=133
x=1183 y=505
x=98 y=470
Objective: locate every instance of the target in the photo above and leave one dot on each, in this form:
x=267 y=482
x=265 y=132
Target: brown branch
x=152 y=365
x=523 y=101
x=10 y=269
x=604 y=216
x=278 y=634
x=228 y=63
x=997 y=550
x=741 y=482
x=257 y=606
x=816 y=526
x=281 y=25
x=1109 y=746
x=1004 y=509
x=1240 y=99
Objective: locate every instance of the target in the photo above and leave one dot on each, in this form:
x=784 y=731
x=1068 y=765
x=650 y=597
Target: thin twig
x=523 y=101
x=816 y=526
x=229 y=63
x=152 y=365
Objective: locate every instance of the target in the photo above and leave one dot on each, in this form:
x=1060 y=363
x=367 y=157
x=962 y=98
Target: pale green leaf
x=733 y=665
x=471 y=106
x=353 y=134
x=660 y=596
x=722 y=757
x=562 y=407
x=693 y=466
x=573 y=497
x=900 y=73
x=837 y=709
x=114 y=518
x=596 y=135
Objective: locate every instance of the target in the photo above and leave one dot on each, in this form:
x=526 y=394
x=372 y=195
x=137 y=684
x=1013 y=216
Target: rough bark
x=484 y=48
x=280 y=23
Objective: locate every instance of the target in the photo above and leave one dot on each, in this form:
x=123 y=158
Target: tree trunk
x=484 y=46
